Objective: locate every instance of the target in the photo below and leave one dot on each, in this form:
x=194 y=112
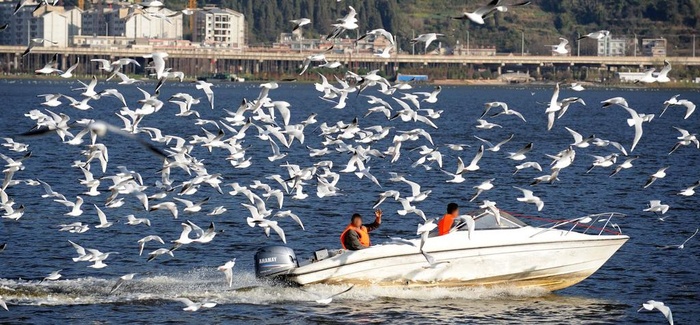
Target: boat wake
x=209 y=285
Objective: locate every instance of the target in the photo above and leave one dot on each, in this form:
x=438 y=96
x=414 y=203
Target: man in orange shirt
x=447 y=221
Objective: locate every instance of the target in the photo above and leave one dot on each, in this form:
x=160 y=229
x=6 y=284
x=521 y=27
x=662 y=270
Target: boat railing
x=593 y=224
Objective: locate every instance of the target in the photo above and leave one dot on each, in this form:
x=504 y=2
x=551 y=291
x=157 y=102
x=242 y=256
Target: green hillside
x=542 y=22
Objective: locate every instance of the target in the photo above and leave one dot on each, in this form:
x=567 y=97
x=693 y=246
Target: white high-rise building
x=219 y=27
x=59 y=27
x=148 y=25
x=50 y=22
x=138 y=24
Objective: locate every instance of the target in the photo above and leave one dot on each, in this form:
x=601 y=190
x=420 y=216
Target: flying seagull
x=325 y=300
x=478 y=15
x=298 y=23
x=101 y=129
x=595 y=35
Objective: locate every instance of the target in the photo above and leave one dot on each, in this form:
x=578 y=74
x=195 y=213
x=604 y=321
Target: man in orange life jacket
x=447 y=221
x=356 y=235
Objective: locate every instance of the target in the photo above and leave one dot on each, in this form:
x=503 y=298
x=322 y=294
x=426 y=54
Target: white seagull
x=120 y=282
x=484 y=186
x=682 y=245
x=674 y=101
x=627 y=164
x=131 y=220
x=656 y=207
x=206 y=87
x=497 y=146
x=325 y=300
x=661 y=173
x=636 y=121
x=529 y=197
x=227 y=268
x=55 y=275
x=158 y=63
x=142 y=242
x=658 y=305
x=561 y=47
x=689 y=191
x=408 y=208
x=596 y=35
x=190 y=206
x=103 y=218
x=478 y=15
x=76 y=210
x=298 y=23
x=69 y=73
x=195 y=306
x=520 y=154
x=426 y=38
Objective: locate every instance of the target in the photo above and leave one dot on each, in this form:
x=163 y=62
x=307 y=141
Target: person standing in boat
x=356 y=235
x=447 y=222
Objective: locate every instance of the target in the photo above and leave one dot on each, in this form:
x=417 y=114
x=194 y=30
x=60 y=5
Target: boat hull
x=550 y=261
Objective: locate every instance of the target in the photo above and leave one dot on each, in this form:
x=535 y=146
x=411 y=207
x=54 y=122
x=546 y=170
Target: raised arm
x=377 y=221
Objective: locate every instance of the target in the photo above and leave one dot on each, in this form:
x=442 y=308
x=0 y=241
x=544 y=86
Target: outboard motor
x=272 y=261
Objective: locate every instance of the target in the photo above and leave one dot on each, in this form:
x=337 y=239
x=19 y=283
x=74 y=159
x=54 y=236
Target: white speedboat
x=490 y=251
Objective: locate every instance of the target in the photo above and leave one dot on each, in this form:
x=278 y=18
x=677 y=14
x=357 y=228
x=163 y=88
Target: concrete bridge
x=202 y=61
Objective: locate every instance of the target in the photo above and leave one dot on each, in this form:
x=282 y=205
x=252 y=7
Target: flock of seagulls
x=265 y=124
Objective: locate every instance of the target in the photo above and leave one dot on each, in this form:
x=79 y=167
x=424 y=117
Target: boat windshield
x=485 y=219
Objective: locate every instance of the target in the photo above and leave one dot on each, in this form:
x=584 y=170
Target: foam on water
x=207 y=284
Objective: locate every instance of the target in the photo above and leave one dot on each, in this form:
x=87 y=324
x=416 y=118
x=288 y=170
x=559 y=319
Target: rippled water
x=638 y=272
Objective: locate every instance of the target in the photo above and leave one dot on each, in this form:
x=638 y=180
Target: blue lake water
x=637 y=273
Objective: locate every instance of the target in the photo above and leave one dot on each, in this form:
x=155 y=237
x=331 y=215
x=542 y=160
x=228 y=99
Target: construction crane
x=192 y=6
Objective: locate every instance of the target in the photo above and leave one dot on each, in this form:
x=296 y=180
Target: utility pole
x=578 y=44
x=413 y=44
x=635 y=44
x=522 y=43
x=396 y=52
x=468 y=52
x=693 y=45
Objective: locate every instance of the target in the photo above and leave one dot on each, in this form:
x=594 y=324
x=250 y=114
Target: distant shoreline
x=439 y=82
x=588 y=84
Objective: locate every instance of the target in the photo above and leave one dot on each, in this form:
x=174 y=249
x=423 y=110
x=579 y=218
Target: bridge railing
x=218 y=53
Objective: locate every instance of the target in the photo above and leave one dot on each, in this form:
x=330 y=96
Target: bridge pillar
x=499 y=70
x=16 y=63
x=64 y=62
